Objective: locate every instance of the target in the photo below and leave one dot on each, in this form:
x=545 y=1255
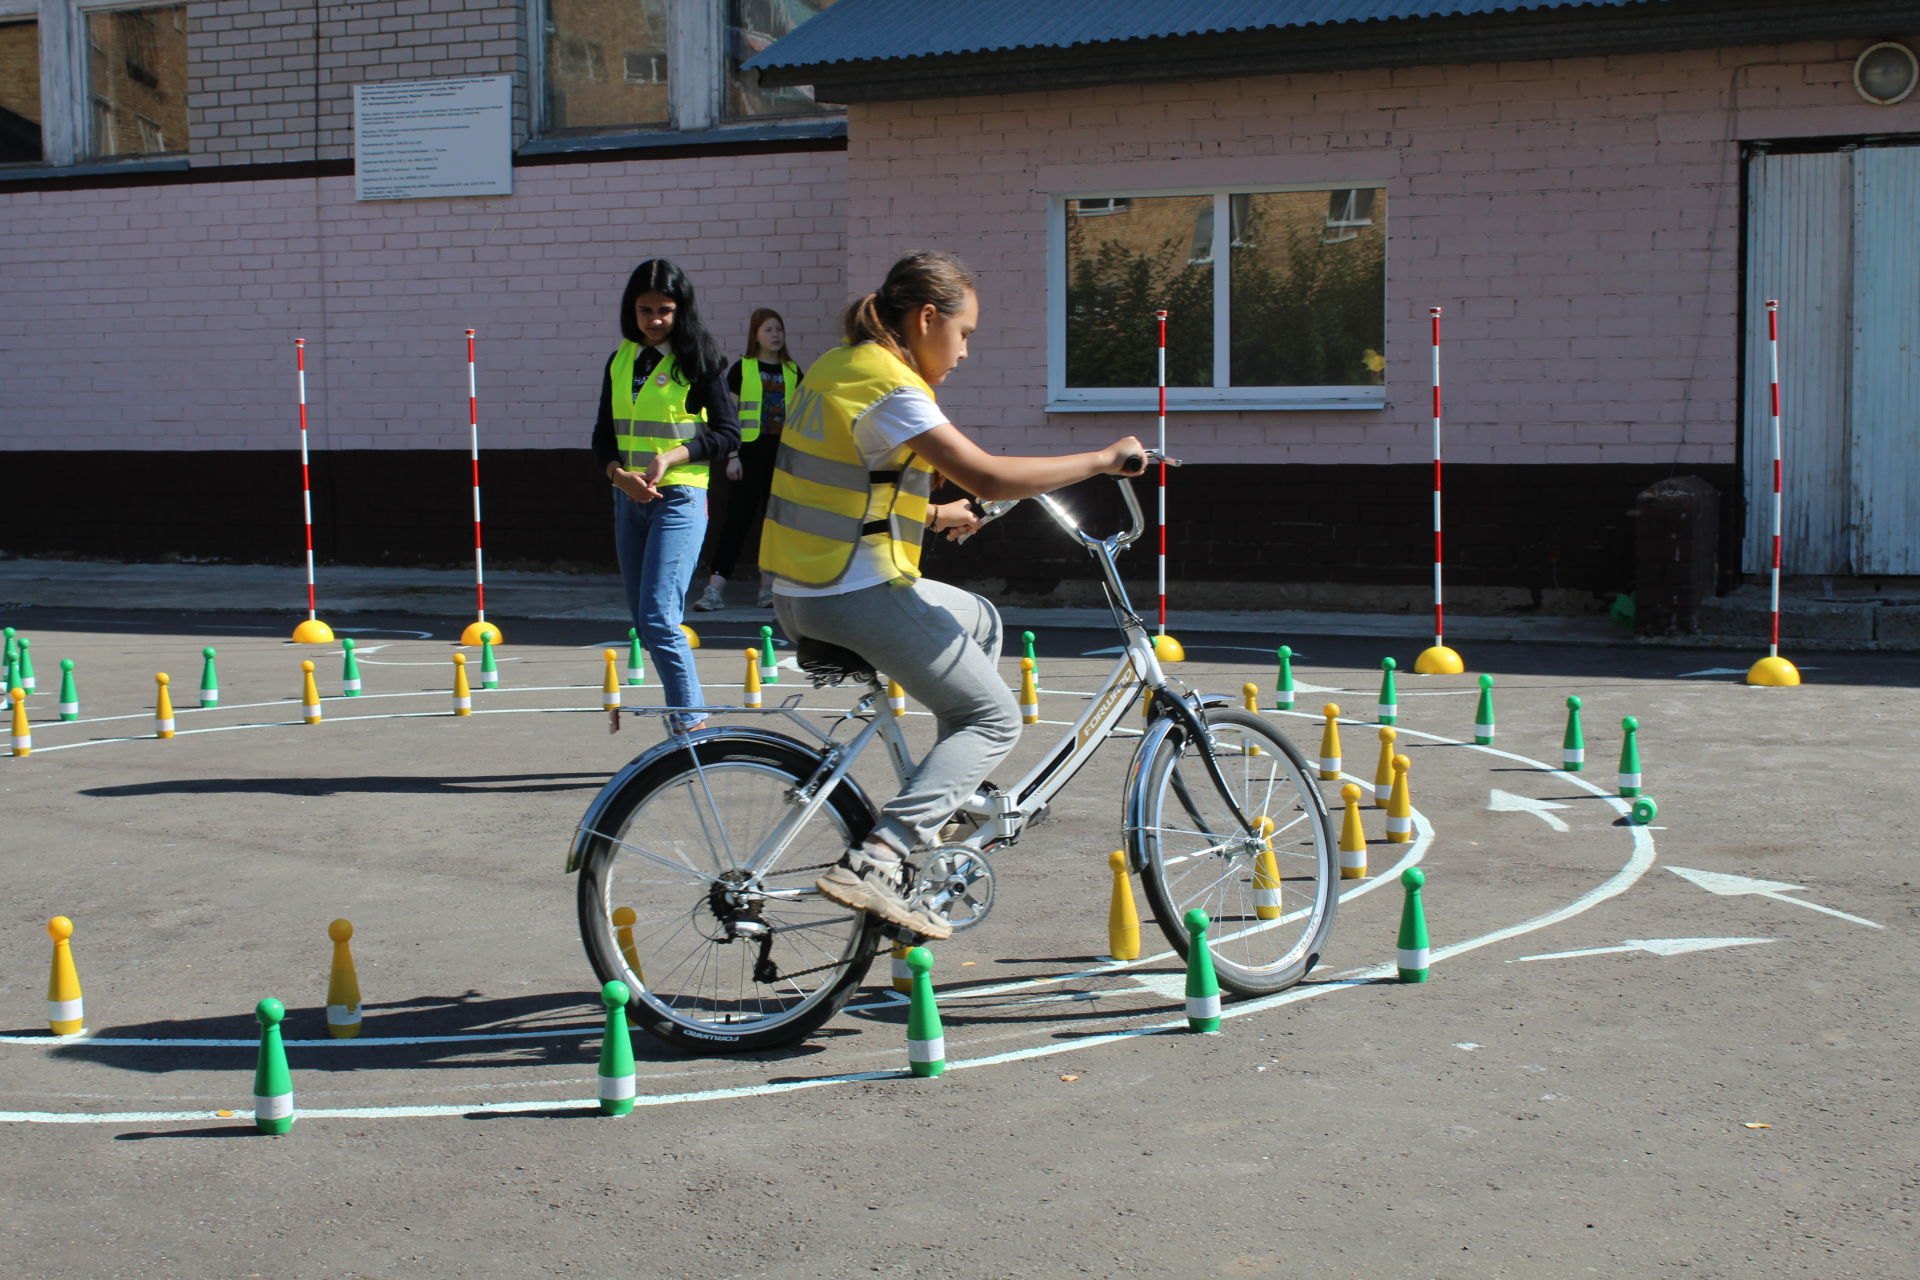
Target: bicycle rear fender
x=732 y=736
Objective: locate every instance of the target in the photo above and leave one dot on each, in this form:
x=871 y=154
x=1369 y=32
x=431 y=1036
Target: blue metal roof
x=878 y=30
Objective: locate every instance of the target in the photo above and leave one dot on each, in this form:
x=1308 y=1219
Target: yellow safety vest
x=750 y=395
x=655 y=420
x=825 y=503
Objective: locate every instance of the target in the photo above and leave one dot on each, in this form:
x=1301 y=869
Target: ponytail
x=917 y=280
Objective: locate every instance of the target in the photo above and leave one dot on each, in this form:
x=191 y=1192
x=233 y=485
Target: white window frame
x=696 y=79
x=1221 y=395
x=66 y=99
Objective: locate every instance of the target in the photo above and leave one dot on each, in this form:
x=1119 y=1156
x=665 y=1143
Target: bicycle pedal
x=955 y=882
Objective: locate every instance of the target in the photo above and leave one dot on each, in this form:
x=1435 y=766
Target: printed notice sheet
x=426 y=138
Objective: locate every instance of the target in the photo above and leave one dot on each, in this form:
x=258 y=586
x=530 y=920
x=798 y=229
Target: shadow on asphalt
x=416 y=784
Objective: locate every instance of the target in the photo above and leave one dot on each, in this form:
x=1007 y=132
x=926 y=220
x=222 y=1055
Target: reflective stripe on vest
x=825 y=501
x=655 y=420
x=750 y=395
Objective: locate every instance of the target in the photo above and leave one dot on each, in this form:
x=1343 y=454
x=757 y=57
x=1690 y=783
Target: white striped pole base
x=1203 y=1009
x=23 y=744
x=1266 y=902
x=1386 y=712
x=927 y=1054
x=67 y=1017
x=313 y=714
x=462 y=705
x=69 y=711
x=1399 y=830
x=902 y=975
x=350 y=688
x=617 y=1088
x=1353 y=864
x=271 y=1107
x=1629 y=784
x=209 y=698
x=163 y=728
x=343 y=1015
x=1382 y=792
x=636 y=675
x=1483 y=733
x=1029 y=713
x=1329 y=767
x=489 y=679
x=1413 y=964
x=1573 y=759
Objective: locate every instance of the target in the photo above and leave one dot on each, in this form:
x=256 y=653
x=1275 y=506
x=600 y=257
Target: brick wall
x=163 y=317
x=1579 y=219
x=272 y=80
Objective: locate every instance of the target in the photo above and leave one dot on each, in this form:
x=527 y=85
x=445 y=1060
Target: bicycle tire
x=670 y=845
x=1192 y=853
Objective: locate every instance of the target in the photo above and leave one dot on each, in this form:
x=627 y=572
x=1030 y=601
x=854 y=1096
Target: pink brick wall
x=163 y=317
x=1578 y=219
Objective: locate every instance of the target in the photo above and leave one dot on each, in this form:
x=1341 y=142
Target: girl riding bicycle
x=851 y=502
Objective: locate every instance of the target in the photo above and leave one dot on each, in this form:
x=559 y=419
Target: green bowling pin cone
x=272 y=1082
x=1483 y=714
x=1388 y=712
x=1573 y=748
x=1283 y=683
x=1203 y=989
x=69 y=696
x=209 y=679
x=616 y=1053
x=636 y=663
x=926 y=1041
x=23 y=665
x=769 y=665
x=489 y=669
x=1413 y=928
x=1630 y=758
x=349 y=670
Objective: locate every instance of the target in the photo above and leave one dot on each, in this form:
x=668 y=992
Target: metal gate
x=1835 y=236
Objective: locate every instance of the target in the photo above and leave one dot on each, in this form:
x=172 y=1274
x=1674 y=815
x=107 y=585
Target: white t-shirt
x=882 y=433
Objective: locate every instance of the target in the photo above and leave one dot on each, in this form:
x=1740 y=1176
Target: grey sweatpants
x=942 y=644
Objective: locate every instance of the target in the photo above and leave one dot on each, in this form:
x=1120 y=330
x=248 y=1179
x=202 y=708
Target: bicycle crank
x=957 y=882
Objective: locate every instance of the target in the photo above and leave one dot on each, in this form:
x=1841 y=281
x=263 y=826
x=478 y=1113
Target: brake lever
x=987 y=512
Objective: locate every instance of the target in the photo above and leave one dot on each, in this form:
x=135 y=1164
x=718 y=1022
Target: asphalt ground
x=1617 y=1069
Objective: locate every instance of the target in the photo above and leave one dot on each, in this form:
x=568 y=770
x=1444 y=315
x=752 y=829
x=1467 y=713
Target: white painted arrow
x=1507 y=802
x=1656 y=946
x=1721 y=883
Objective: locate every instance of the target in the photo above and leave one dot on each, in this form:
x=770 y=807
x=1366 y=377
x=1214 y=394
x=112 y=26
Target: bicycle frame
x=1002 y=814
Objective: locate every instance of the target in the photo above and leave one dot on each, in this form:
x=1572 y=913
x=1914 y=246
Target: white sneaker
x=765 y=599
x=710 y=599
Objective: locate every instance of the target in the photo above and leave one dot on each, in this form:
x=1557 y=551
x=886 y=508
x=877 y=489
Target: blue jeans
x=657 y=544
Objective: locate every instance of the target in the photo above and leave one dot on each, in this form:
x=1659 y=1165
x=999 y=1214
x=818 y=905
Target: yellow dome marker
x=479 y=631
x=22 y=731
x=462 y=692
x=1353 y=836
x=1167 y=649
x=343 y=985
x=693 y=637
x=309 y=692
x=750 y=684
x=313 y=631
x=1266 y=873
x=1773 y=672
x=1400 y=804
x=1123 y=917
x=610 y=687
x=66 y=1014
x=1383 y=771
x=1330 y=743
x=624 y=918
x=163 y=707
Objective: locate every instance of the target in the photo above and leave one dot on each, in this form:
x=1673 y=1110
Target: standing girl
x=850 y=506
x=665 y=411
x=764 y=382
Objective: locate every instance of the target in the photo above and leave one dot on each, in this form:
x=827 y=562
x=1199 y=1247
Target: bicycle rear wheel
x=1270 y=919
x=719 y=956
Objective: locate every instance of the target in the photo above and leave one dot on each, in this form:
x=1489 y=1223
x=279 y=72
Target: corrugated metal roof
x=878 y=30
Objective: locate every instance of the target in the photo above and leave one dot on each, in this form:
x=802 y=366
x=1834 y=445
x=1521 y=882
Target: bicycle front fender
x=1133 y=799
x=590 y=821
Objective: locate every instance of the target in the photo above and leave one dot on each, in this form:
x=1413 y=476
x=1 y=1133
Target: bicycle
x=697 y=860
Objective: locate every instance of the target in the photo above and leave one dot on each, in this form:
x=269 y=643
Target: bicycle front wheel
x=720 y=955
x=1268 y=886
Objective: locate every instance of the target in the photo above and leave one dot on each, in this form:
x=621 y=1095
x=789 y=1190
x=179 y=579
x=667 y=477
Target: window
x=1293 y=315
x=615 y=67
x=82 y=81
x=752 y=25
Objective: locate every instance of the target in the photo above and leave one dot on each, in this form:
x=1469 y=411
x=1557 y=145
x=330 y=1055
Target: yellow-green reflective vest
x=750 y=395
x=825 y=503
x=655 y=420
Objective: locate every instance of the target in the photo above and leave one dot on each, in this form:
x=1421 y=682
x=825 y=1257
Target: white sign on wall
x=426 y=138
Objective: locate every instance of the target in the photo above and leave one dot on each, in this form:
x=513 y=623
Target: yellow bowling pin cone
x=1029 y=694
x=66 y=1015
x=1123 y=917
x=1330 y=743
x=896 y=697
x=1400 y=804
x=343 y=985
x=624 y=918
x=1353 y=836
x=610 y=686
x=163 y=707
x=1383 y=771
x=1266 y=873
x=462 y=691
x=902 y=976
x=22 y=731
x=309 y=692
x=750 y=684
x=1250 y=697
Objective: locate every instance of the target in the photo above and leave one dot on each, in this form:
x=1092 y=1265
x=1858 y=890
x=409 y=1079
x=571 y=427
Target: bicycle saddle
x=831 y=664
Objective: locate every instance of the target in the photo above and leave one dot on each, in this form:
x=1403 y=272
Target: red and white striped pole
x=476 y=630
x=312 y=631
x=1774 y=669
x=1437 y=660
x=1160 y=318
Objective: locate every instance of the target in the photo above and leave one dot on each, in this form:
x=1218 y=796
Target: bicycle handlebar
x=1137 y=518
